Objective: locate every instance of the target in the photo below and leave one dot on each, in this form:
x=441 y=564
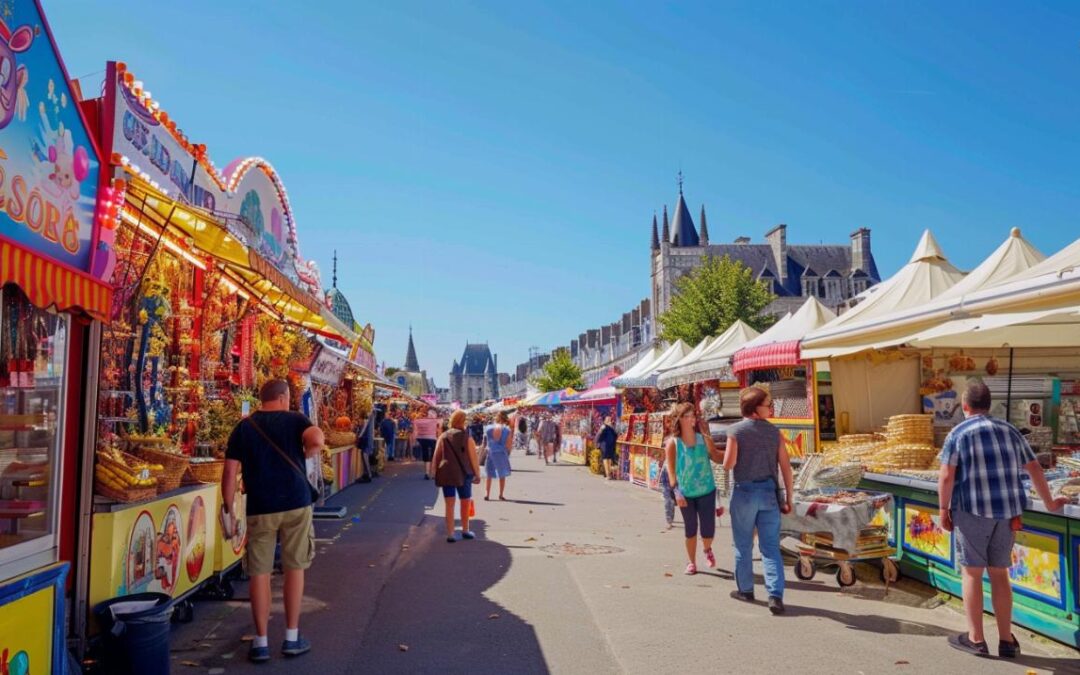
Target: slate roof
x=800 y=261
x=476 y=360
x=683 y=231
x=340 y=307
x=411 y=363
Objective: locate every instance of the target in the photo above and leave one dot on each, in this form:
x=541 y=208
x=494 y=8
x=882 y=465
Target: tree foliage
x=559 y=373
x=711 y=298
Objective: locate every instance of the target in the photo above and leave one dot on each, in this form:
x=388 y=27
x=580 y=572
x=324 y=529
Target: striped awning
x=50 y=284
x=774 y=355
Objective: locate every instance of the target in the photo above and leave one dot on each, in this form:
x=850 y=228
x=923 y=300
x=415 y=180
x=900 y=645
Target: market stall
x=583 y=416
x=212 y=299
x=773 y=359
x=54 y=248
x=1030 y=359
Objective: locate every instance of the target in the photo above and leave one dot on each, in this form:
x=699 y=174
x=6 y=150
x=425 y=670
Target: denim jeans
x=753 y=505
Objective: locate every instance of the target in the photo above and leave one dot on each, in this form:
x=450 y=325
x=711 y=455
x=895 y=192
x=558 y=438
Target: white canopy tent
x=642 y=363
x=714 y=360
x=647 y=376
x=808 y=318
x=927 y=275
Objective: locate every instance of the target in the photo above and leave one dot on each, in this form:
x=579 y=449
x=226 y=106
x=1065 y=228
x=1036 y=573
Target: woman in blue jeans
x=757 y=456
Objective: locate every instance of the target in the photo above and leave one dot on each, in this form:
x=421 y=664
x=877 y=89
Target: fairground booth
x=212 y=298
x=55 y=252
x=897 y=370
x=583 y=417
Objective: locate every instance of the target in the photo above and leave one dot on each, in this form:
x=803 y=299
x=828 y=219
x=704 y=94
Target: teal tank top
x=693 y=469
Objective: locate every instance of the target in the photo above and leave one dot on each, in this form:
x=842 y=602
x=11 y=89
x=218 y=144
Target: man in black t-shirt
x=270 y=448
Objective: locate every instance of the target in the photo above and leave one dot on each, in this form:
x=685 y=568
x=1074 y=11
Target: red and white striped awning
x=774 y=355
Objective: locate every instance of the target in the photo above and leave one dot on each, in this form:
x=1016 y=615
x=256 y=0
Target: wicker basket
x=910 y=429
x=843 y=476
x=340 y=439
x=125 y=496
x=175 y=466
x=207 y=472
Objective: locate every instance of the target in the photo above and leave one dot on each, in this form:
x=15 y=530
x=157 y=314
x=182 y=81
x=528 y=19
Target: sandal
x=710 y=557
x=501 y=498
x=691 y=569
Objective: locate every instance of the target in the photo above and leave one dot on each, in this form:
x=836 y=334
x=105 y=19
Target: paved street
x=575 y=575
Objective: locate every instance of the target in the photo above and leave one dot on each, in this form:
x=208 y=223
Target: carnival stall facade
x=582 y=418
x=54 y=246
x=898 y=374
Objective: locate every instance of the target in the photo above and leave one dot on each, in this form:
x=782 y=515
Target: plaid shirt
x=989 y=455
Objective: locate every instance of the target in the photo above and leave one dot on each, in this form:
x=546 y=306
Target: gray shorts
x=982 y=542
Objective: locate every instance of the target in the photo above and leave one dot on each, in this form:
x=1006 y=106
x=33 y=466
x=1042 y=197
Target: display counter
x=347 y=467
x=167 y=545
x=1046 y=555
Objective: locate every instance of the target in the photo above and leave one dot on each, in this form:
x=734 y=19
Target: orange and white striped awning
x=50 y=284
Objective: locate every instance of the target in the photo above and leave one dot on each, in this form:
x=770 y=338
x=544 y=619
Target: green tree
x=558 y=373
x=391 y=371
x=711 y=298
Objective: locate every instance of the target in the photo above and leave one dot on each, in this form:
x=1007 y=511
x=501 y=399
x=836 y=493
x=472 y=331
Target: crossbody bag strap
x=288 y=460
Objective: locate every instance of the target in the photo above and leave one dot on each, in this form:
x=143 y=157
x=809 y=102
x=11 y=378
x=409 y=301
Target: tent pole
x=1008 y=390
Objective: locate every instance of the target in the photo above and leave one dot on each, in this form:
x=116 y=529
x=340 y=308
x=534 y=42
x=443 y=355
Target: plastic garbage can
x=136 y=633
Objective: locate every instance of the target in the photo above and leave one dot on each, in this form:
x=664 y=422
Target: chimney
x=742 y=240
x=777 y=238
x=860 y=250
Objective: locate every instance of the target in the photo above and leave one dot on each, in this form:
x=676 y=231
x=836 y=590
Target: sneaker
x=451 y=540
x=427 y=477
x=776 y=605
x=710 y=558
x=745 y=597
x=296 y=647
x=962 y=642
x=468 y=535
x=258 y=654
x=1009 y=650
x=691 y=569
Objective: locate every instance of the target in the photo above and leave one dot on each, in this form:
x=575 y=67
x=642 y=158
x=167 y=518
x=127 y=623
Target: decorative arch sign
x=248 y=196
x=49 y=164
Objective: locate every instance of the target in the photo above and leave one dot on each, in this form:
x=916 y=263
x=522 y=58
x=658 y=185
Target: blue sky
x=489 y=171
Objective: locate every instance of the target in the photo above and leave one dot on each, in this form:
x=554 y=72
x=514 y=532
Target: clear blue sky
x=489 y=171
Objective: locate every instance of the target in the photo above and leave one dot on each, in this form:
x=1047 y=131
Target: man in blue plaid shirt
x=981 y=497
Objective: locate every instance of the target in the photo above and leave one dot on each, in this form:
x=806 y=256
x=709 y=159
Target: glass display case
x=32 y=364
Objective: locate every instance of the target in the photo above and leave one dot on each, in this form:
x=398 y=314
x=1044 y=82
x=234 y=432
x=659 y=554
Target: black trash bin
x=136 y=633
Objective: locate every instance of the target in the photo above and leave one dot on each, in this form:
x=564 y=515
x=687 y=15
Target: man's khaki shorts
x=297 y=541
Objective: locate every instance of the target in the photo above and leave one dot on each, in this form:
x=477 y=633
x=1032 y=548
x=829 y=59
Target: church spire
x=667 y=228
x=334 y=284
x=411 y=363
x=704 y=228
x=655 y=237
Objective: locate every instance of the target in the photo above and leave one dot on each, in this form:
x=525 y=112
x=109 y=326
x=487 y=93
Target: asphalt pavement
x=572 y=574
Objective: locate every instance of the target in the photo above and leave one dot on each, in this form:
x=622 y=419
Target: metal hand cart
x=817 y=532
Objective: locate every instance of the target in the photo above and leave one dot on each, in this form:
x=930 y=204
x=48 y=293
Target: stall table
x=1046 y=555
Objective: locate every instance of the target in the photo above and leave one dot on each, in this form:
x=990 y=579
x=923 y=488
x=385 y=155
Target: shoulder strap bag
x=316 y=487
x=482 y=452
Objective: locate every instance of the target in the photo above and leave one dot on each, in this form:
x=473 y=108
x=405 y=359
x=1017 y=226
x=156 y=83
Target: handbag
x=315 y=488
x=482 y=455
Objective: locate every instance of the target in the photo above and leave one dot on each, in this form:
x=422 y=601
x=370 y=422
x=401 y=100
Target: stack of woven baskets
x=910 y=445
x=854 y=448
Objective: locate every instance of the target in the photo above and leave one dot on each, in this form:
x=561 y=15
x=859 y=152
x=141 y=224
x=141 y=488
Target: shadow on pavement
x=435 y=605
x=532 y=503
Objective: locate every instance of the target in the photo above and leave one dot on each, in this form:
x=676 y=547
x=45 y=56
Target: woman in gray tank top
x=757 y=456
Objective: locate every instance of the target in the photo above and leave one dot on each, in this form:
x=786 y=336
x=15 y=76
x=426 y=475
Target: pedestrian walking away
x=456 y=471
x=365 y=441
x=687 y=455
x=550 y=436
x=605 y=440
x=521 y=435
x=426 y=432
x=388 y=431
x=758 y=459
x=982 y=498
x=669 y=499
x=497 y=439
x=270 y=449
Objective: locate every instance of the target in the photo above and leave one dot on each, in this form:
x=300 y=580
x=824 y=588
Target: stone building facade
x=833 y=273
x=475 y=378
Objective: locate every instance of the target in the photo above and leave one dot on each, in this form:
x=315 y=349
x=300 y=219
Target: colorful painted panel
x=884 y=518
x=1038 y=565
x=798 y=440
x=656 y=465
x=161 y=546
x=573 y=449
x=32 y=622
x=639 y=466
x=923 y=533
